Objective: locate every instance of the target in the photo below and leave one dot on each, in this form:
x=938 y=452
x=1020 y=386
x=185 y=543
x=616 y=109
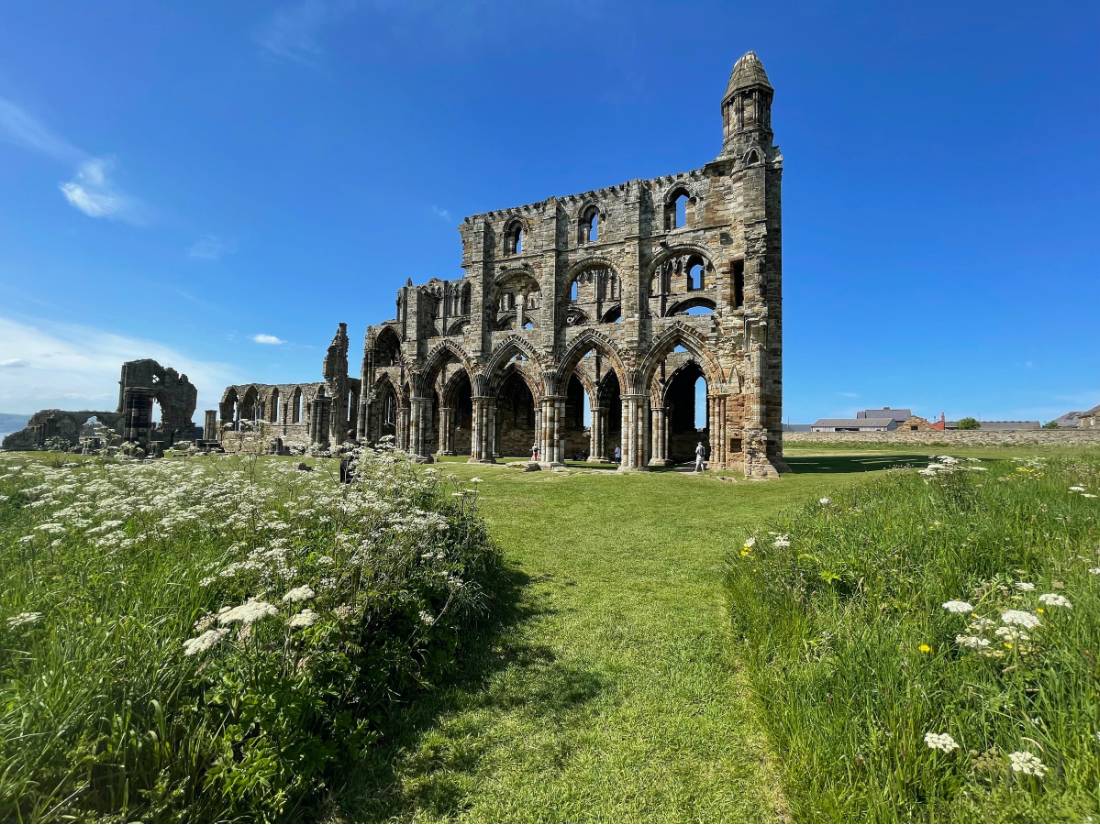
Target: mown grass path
x=613 y=691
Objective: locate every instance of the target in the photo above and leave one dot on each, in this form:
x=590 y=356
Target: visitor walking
x=700 y=454
x=618 y=455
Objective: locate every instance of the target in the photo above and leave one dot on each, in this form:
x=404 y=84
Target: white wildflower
x=1021 y=618
x=1077 y=488
x=426 y=617
x=23 y=618
x=303 y=619
x=941 y=742
x=299 y=594
x=824 y=501
x=203 y=642
x=972 y=642
x=1055 y=600
x=1027 y=763
x=1024 y=587
x=1088 y=495
x=1095 y=571
x=956 y=606
x=782 y=542
x=251 y=611
x=475 y=480
x=1011 y=634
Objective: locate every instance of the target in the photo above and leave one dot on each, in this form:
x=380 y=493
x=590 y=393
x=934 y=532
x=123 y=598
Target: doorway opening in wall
x=609 y=405
x=576 y=429
x=515 y=418
x=686 y=411
x=454 y=416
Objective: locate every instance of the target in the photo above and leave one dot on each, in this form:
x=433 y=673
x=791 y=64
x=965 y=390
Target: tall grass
x=351 y=598
x=855 y=660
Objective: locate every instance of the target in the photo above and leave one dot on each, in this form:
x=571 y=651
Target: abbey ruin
x=618 y=299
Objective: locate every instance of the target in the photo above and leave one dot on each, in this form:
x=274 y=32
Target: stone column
x=319 y=420
x=596 y=435
x=420 y=413
x=446 y=432
x=401 y=435
x=210 y=425
x=659 y=437
x=481 y=427
x=635 y=431
x=550 y=431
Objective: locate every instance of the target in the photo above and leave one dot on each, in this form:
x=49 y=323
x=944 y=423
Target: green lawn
x=612 y=690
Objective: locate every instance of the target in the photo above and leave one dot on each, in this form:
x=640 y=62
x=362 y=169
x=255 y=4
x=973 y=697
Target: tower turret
x=747 y=109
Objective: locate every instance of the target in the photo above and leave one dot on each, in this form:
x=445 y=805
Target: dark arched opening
x=515 y=418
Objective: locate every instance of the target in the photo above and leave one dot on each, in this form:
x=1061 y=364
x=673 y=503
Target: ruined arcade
x=617 y=300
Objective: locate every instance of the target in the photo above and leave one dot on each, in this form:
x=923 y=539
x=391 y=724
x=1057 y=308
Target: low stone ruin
x=130 y=428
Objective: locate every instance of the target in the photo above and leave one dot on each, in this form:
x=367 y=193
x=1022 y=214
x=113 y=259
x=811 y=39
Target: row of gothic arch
x=515 y=399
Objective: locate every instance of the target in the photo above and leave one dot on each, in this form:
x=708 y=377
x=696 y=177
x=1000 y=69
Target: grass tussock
x=927 y=647
x=218 y=639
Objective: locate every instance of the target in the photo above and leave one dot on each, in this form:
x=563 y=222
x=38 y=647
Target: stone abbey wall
x=617 y=299
x=954 y=438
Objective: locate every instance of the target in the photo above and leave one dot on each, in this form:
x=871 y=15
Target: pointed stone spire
x=747 y=71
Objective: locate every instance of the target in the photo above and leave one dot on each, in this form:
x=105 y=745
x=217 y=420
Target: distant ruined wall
x=956 y=438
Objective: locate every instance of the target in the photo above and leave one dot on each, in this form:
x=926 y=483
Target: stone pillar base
x=472 y=460
x=661 y=462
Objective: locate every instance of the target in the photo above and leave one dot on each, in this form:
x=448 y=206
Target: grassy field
x=610 y=683
x=614 y=693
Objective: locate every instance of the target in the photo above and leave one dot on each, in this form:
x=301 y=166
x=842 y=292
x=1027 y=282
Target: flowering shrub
x=926 y=647
x=217 y=638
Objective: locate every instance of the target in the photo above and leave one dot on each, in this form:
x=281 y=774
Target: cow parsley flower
x=203 y=642
x=1077 y=488
x=956 y=606
x=1021 y=618
x=1055 y=600
x=251 y=611
x=426 y=617
x=1024 y=587
x=21 y=619
x=824 y=501
x=972 y=642
x=303 y=619
x=782 y=542
x=1027 y=763
x=299 y=594
x=941 y=742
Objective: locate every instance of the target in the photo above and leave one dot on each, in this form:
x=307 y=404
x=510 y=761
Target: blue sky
x=177 y=179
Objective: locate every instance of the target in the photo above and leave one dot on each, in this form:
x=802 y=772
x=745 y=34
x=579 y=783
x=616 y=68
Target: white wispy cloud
x=264 y=338
x=93 y=193
x=210 y=248
x=293 y=32
x=90 y=189
x=19 y=127
x=77 y=367
x=445 y=214
x=848 y=394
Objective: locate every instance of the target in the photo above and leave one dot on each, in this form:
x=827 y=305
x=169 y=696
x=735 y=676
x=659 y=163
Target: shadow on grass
x=853 y=463
x=412 y=769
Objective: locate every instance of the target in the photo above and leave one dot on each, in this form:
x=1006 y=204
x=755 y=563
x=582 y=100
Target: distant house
x=1090 y=419
x=1085 y=419
x=896 y=413
x=854 y=425
x=915 y=423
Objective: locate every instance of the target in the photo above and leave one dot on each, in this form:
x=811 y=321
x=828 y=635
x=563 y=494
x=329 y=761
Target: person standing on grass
x=700 y=454
x=618 y=455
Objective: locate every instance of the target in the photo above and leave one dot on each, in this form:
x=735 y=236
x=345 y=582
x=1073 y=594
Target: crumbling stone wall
x=142 y=382
x=953 y=438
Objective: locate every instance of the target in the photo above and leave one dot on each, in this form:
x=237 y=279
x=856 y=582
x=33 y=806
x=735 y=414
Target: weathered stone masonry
x=623 y=296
